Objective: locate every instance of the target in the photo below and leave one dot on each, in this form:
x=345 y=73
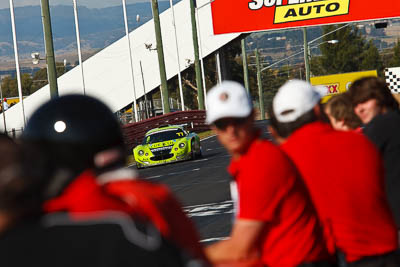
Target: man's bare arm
x=242 y=244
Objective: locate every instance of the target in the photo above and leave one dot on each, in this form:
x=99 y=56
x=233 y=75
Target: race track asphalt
x=202 y=186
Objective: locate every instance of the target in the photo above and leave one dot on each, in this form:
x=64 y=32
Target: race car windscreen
x=163 y=136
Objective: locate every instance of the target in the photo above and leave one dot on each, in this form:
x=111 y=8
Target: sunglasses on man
x=222 y=124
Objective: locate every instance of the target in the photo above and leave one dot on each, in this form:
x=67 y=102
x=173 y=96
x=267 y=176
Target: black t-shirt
x=384 y=131
x=113 y=241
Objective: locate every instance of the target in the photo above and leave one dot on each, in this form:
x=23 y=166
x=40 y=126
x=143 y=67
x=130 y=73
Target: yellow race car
x=167 y=144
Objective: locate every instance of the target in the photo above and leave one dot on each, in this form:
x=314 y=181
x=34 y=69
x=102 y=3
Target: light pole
x=48 y=37
x=260 y=89
x=78 y=44
x=130 y=58
x=197 y=66
x=307 y=56
x=177 y=56
x=17 y=61
x=245 y=66
x=161 y=61
x=203 y=75
x=144 y=91
x=2 y=108
x=306 y=47
x=306 y=59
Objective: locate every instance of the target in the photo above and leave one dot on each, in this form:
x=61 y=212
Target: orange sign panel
x=231 y=16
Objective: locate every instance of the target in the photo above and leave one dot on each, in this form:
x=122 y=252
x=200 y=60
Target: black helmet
x=74 y=119
x=64 y=137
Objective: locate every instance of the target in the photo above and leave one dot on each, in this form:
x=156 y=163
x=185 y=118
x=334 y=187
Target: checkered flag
x=392 y=76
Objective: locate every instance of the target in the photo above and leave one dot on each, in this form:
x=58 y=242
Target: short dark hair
x=340 y=108
x=286 y=129
x=368 y=88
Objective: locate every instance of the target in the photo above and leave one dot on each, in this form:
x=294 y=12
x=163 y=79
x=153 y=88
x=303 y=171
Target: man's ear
x=274 y=133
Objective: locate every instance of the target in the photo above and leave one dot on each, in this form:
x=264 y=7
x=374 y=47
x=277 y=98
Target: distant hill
x=98 y=27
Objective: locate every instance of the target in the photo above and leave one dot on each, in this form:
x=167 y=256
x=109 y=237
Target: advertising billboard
x=235 y=16
x=339 y=83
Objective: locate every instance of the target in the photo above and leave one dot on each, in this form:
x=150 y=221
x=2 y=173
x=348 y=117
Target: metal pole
x=78 y=44
x=260 y=89
x=48 y=37
x=2 y=108
x=130 y=59
x=162 y=97
x=144 y=90
x=197 y=66
x=203 y=77
x=306 y=59
x=245 y=66
x=21 y=100
x=160 y=52
x=218 y=67
x=177 y=56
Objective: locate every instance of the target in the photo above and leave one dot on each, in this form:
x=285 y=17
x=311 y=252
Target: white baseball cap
x=229 y=99
x=294 y=99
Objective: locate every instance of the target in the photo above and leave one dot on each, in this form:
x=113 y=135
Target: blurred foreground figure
x=275 y=224
x=379 y=111
x=341 y=115
x=77 y=147
x=17 y=201
x=27 y=238
x=344 y=174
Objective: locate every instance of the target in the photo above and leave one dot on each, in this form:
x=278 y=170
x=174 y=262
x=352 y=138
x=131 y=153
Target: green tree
x=40 y=77
x=26 y=84
x=9 y=87
x=371 y=59
x=352 y=53
x=395 y=60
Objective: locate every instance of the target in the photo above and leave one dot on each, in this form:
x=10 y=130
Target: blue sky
x=88 y=3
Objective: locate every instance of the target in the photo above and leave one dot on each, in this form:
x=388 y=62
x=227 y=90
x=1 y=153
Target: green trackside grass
x=131 y=159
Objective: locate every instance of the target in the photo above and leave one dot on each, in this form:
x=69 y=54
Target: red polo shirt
x=270 y=191
x=344 y=174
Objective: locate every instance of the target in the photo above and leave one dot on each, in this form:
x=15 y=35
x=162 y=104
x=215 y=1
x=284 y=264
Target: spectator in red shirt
x=343 y=172
x=275 y=223
x=81 y=154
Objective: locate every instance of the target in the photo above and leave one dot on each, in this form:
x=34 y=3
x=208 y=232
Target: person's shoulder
x=267 y=155
x=352 y=141
x=265 y=148
x=380 y=121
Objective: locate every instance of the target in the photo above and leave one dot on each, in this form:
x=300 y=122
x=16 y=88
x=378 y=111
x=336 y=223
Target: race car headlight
x=181 y=145
x=141 y=153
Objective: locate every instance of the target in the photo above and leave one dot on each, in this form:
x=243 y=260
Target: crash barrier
x=134 y=132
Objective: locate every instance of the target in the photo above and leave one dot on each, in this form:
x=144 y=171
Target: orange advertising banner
x=235 y=16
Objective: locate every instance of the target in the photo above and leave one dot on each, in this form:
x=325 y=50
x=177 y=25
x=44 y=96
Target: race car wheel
x=192 y=152
x=138 y=166
x=200 y=154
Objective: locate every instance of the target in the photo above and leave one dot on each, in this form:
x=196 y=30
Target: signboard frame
x=242 y=16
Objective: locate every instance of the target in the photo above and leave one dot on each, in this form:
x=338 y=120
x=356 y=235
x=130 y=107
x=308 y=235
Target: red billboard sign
x=231 y=16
